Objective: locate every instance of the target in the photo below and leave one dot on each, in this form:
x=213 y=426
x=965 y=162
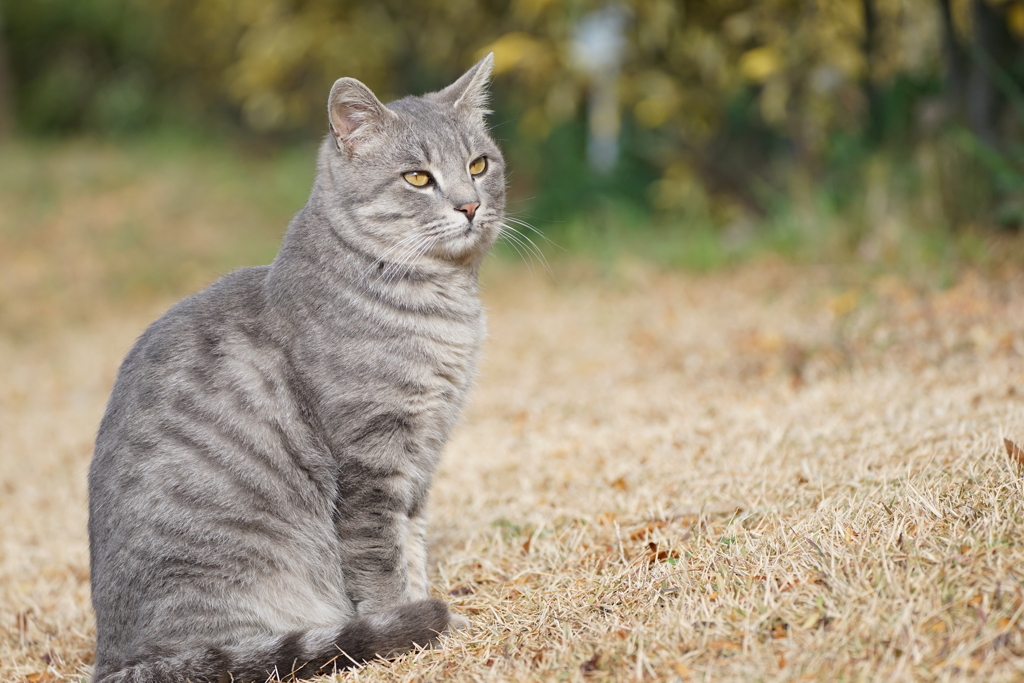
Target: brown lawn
x=774 y=473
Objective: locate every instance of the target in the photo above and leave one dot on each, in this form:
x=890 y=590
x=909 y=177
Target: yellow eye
x=478 y=166
x=417 y=178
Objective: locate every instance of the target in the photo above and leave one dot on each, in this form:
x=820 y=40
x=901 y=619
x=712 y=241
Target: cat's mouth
x=467 y=242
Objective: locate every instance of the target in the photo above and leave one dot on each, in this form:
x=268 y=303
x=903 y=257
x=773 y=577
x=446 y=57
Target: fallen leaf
x=1014 y=451
x=619 y=484
x=725 y=648
x=764 y=341
x=655 y=555
x=965 y=664
x=41 y=677
x=681 y=669
x=843 y=304
x=646 y=529
x=591 y=665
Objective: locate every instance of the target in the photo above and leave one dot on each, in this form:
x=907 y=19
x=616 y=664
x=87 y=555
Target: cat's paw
x=456 y=622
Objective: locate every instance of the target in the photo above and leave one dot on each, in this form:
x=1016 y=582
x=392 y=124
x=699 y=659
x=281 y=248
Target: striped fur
x=258 y=490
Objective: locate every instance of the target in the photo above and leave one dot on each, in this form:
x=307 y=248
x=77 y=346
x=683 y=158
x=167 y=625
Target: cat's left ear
x=470 y=91
x=355 y=114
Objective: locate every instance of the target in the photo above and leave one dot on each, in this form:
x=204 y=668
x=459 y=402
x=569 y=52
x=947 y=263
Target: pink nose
x=469 y=209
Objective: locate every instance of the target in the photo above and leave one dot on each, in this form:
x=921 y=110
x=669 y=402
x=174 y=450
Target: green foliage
x=563 y=182
x=82 y=64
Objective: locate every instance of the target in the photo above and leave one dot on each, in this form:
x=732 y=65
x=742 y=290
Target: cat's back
x=186 y=349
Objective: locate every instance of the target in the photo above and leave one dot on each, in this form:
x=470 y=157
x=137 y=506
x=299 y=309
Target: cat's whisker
x=519 y=221
x=515 y=237
x=395 y=263
x=395 y=268
x=404 y=251
x=537 y=250
x=513 y=244
x=380 y=260
x=527 y=243
x=409 y=255
x=403 y=267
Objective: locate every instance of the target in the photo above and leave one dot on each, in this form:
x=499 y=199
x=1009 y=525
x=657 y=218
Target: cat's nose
x=469 y=209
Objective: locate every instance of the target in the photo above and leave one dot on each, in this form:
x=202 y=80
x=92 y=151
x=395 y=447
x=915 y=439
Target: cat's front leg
x=383 y=551
x=374 y=560
x=416 y=554
x=419 y=588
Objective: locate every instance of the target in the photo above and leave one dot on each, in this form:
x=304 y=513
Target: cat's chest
x=438 y=364
x=404 y=382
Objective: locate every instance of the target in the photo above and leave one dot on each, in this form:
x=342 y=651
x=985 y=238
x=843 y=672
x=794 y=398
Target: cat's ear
x=470 y=91
x=355 y=114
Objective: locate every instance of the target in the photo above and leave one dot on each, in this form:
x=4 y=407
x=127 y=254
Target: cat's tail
x=296 y=655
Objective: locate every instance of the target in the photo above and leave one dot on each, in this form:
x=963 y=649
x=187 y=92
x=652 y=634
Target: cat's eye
x=478 y=166
x=417 y=178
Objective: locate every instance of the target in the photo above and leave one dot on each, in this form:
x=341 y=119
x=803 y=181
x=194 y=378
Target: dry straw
x=746 y=476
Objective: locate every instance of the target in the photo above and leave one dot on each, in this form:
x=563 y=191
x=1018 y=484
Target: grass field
x=775 y=472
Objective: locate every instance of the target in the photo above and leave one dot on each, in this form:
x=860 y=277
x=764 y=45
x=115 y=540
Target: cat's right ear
x=355 y=114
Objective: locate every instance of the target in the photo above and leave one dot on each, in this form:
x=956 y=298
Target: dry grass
x=89 y=230
x=756 y=475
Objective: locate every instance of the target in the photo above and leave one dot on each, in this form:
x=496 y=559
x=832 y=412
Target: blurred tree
x=874 y=114
x=992 y=52
x=715 y=99
x=84 y=64
x=6 y=105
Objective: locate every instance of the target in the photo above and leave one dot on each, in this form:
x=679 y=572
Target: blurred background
x=149 y=143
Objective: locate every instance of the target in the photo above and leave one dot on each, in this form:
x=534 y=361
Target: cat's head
x=419 y=178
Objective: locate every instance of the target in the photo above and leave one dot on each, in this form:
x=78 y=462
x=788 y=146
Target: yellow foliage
x=678 y=189
x=804 y=62
x=530 y=9
x=659 y=98
x=511 y=49
x=535 y=124
x=774 y=100
x=1015 y=20
x=759 y=64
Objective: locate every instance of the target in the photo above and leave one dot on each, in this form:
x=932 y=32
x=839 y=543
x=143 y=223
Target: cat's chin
x=470 y=246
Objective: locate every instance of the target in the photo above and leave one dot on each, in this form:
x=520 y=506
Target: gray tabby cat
x=257 y=493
